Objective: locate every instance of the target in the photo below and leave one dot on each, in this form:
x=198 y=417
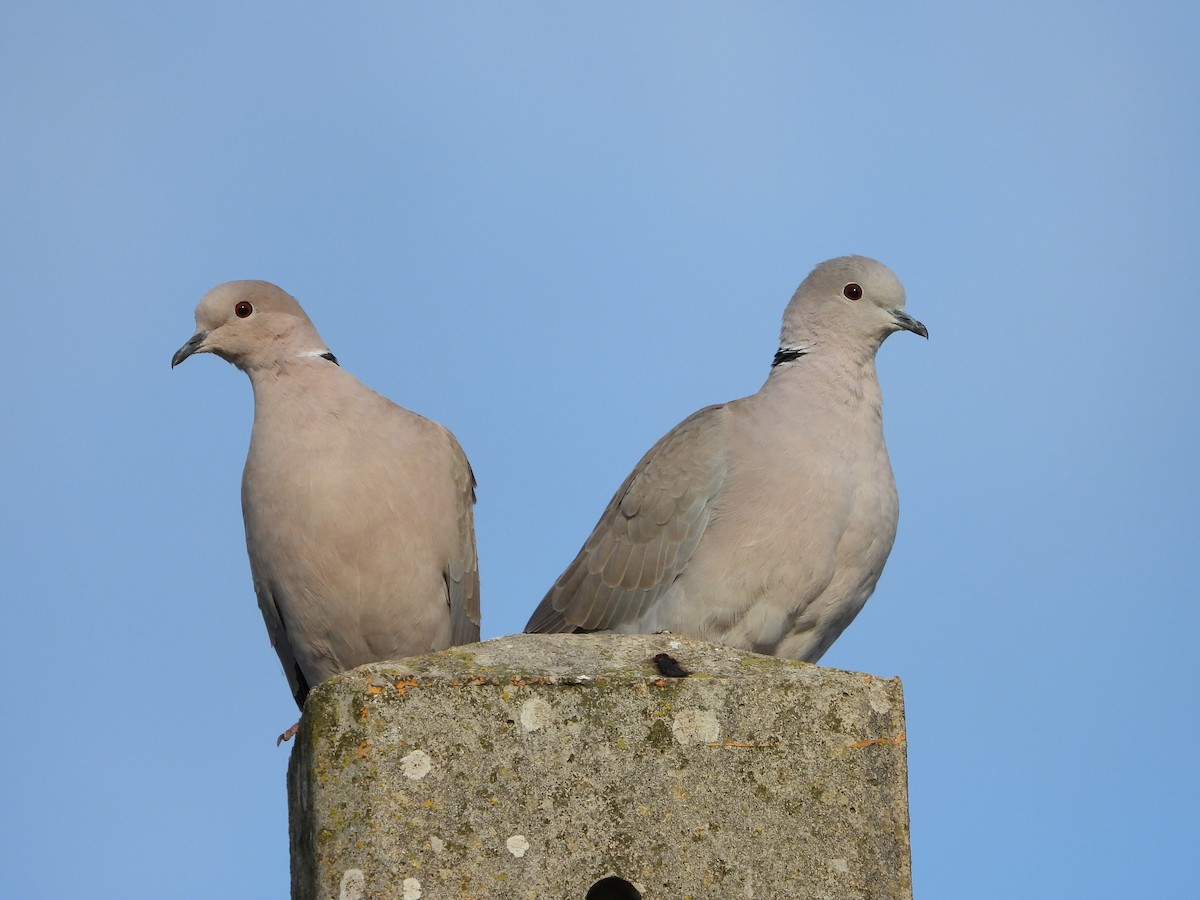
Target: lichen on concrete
x=536 y=765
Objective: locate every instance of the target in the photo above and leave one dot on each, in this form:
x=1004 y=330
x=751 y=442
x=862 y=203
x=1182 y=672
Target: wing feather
x=647 y=533
x=462 y=574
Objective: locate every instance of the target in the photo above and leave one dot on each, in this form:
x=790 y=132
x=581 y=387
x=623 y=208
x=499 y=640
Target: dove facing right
x=763 y=523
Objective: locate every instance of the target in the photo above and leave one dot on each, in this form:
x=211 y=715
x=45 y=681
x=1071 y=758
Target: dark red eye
x=244 y=309
x=852 y=291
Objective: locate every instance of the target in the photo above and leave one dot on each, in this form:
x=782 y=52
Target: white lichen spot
x=412 y=889
x=354 y=885
x=535 y=714
x=695 y=726
x=416 y=764
x=878 y=698
x=517 y=845
x=840 y=866
x=436 y=844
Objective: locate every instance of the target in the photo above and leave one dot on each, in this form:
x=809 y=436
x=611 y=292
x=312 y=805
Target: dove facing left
x=358 y=513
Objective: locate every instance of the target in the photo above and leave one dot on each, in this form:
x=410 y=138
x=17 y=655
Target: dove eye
x=852 y=291
x=243 y=309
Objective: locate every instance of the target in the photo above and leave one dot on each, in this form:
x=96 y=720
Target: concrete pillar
x=600 y=766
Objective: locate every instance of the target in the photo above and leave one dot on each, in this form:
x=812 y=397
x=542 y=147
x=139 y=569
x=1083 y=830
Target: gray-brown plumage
x=763 y=523
x=358 y=513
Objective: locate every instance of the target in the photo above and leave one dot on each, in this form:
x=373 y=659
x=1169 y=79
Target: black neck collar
x=787 y=354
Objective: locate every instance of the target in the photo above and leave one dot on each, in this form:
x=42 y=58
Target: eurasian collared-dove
x=762 y=523
x=358 y=513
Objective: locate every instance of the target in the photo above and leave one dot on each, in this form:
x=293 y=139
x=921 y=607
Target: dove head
x=850 y=302
x=254 y=325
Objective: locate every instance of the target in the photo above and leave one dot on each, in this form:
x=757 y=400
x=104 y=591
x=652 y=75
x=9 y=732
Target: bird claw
x=287 y=735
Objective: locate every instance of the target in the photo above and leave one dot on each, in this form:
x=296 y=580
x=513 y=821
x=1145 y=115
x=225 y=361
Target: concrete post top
x=600 y=766
x=583 y=658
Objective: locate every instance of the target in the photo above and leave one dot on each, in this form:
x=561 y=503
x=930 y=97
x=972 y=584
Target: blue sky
x=558 y=229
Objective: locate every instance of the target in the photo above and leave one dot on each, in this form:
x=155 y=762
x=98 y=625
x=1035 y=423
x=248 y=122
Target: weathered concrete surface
x=533 y=766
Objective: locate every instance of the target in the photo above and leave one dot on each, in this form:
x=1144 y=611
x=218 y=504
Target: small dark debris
x=669 y=667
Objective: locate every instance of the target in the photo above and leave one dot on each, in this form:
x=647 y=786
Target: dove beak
x=193 y=345
x=908 y=323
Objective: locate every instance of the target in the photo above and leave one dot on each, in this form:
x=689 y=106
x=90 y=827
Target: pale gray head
x=850 y=302
x=252 y=324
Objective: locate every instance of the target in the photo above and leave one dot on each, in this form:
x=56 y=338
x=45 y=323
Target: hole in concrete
x=613 y=888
